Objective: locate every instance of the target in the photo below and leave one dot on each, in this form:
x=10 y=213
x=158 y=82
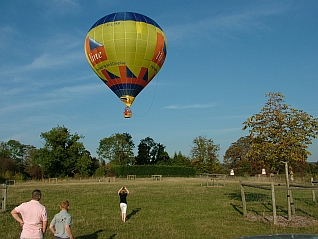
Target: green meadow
x=171 y=208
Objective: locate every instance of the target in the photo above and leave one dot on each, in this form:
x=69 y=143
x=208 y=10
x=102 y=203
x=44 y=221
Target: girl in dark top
x=123 y=192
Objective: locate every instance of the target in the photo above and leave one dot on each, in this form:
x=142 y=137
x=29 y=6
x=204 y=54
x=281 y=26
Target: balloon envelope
x=126 y=50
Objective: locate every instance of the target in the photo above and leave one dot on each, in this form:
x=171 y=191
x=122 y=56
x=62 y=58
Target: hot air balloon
x=126 y=50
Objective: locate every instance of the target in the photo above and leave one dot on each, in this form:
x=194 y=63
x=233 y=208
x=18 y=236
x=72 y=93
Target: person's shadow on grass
x=112 y=236
x=134 y=212
x=94 y=235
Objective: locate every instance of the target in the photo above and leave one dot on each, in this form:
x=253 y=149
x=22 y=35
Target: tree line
x=63 y=155
x=277 y=134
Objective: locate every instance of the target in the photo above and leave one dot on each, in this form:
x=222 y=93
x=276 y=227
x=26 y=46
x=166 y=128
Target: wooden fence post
x=313 y=191
x=274 y=204
x=292 y=205
x=288 y=192
x=243 y=199
x=3 y=197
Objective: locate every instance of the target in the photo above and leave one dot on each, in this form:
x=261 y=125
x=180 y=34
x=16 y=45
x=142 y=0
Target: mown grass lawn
x=172 y=208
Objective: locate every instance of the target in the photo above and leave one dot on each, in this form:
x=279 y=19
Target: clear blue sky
x=223 y=57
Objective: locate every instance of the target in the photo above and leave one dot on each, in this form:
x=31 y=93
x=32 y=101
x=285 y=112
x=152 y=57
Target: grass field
x=172 y=208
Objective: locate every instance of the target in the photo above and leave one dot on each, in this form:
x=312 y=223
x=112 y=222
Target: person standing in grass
x=61 y=223
x=33 y=218
x=123 y=192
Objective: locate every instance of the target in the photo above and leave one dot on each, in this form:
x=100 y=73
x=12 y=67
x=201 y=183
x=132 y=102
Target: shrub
x=148 y=170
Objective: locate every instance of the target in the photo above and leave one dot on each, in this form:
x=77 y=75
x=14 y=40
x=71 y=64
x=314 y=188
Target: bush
x=100 y=172
x=148 y=170
x=2 y=179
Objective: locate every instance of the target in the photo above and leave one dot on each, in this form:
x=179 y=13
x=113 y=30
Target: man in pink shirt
x=34 y=217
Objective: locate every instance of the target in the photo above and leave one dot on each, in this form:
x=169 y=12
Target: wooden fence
x=288 y=187
x=212 y=179
x=3 y=188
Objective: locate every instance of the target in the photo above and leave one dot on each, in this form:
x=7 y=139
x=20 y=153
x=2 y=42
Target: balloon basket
x=127 y=112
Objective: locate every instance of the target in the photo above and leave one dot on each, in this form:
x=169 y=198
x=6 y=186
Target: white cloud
x=45 y=98
x=60 y=51
x=55 y=52
x=51 y=61
x=17 y=107
x=77 y=90
x=245 y=21
x=59 y=7
x=6 y=33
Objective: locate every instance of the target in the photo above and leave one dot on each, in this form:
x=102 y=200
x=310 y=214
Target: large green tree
x=237 y=152
x=31 y=166
x=8 y=167
x=204 y=155
x=150 y=152
x=145 y=151
x=12 y=149
x=236 y=157
x=160 y=155
x=280 y=133
x=179 y=159
x=62 y=154
x=16 y=152
x=117 y=149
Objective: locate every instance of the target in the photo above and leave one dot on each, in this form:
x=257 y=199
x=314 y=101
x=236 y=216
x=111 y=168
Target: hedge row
x=148 y=170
